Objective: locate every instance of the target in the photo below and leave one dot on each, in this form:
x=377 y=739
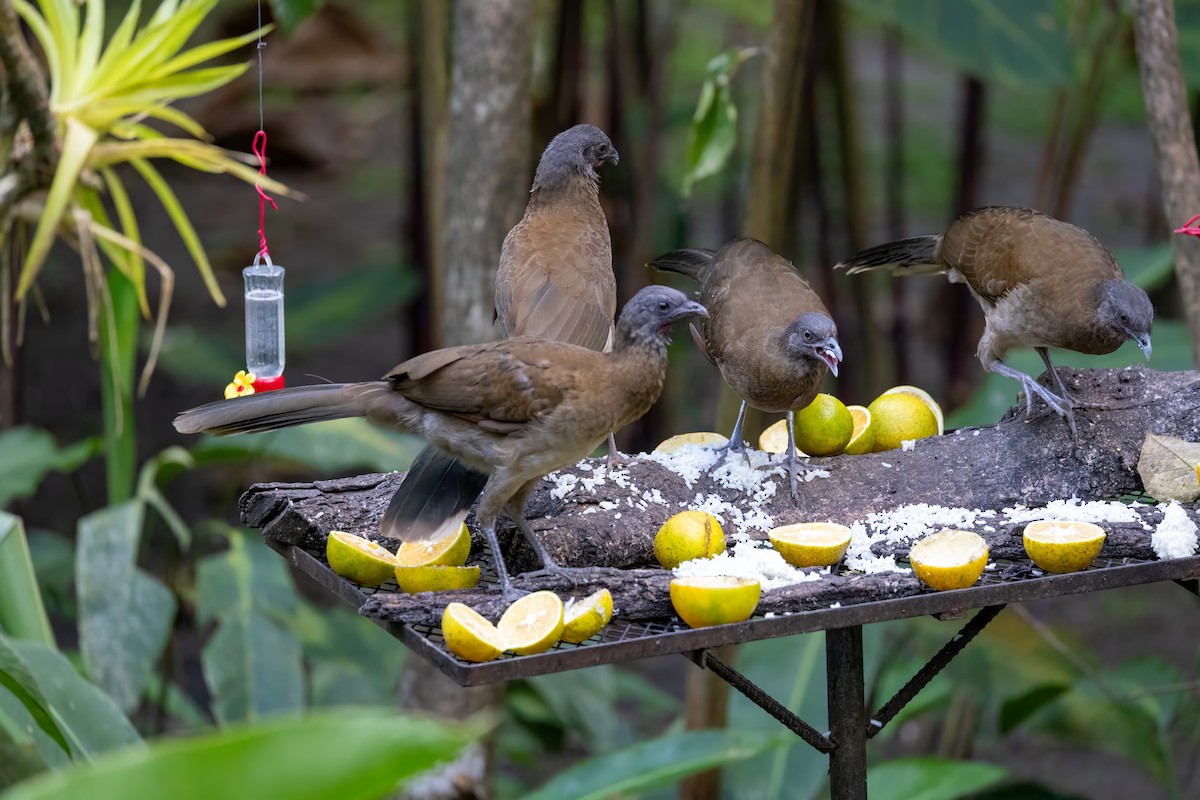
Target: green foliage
x=331 y=446
x=21 y=613
x=28 y=454
x=349 y=754
x=655 y=763
x=290 y=13
x=351 y=660
x=252 y=661
x=714 y=124
x=931 y=779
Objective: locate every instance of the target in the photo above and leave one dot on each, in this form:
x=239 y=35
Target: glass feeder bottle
x=264 y=323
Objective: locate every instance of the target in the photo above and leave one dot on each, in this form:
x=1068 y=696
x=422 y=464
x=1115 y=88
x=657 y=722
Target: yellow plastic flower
x=243 y=384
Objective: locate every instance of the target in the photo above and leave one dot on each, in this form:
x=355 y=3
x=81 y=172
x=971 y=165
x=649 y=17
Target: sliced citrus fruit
x=824 y=427
x=436 y=578
x=583 y=619
x=927 y=399
x=532 y=624
x=949 y=559
x=361 y=560
x=688 y=535
x=863 y=439
x=451 y=550
x=1063 y=546
x=468 y=635
x=811 y=544
x=701 y=438
x=714 y=600
x=774 y=439
x=898 y=417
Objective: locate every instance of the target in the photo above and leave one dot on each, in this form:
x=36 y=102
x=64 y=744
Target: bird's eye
x=1125 y=319
x=663 y=305
x=808 y=336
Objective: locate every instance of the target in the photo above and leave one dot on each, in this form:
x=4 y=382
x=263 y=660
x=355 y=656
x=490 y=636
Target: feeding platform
x=991 y=480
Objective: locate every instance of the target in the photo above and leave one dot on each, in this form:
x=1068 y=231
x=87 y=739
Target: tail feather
x=434 y=498
x=915 y=256
x=268 y=411
x=691 y=261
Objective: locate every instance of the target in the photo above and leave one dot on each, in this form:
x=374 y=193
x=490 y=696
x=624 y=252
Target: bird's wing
x=555 y=279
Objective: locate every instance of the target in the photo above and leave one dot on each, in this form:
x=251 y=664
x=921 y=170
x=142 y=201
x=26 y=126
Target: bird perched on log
x=555 y=281
x=1041 y=283
x=766 y=330
x=514 y=409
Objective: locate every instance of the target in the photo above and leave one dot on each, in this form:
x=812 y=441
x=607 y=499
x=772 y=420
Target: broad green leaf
x=169 y=461
x=1015 y=710
x=931 y=779
x=357 y=754
x=1147 y=267
x=352 y=661
x=16 y=678
x=333 y=446
x=76 y=145
x=1021 y=43
x=592 y=713
x=87 y=716
x=252 y=662
x=325 y=311
x=19 y=758
x=53 y=558
x=21 y=613
x=129 y=227
x=1168 y=467
x=291 y=13
x=714 y=124
x=195 y=356
x=655 y=763
x=27 y=454
x=125 y=615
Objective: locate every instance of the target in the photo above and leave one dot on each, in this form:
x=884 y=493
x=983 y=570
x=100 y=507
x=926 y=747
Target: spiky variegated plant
x=100 y=97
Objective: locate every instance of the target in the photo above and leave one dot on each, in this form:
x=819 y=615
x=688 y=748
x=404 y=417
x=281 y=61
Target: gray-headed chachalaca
x=514 y=409
x=1041 y=283
x=766 y=330
x=555 y=281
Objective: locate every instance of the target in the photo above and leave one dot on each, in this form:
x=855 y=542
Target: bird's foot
x=734 y=446
x=616 y=459
x=1059 y=405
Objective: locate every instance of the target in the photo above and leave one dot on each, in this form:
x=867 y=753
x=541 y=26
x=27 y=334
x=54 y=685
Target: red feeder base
x=268 y=384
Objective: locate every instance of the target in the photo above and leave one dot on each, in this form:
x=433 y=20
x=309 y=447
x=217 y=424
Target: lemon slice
x=949 y=559
x=688 y=535
x=702 y=438
x=925 y=398
x=773 y=439
x=583 y=619
x=863 y=440
x=899 y=416
x=824 y=427
x=451 y=550
x=532 y=624
x=468 y=635
x=361 y=560
x=811 y=544
x=714 y=600
x=1062 y=546
x=436 y=578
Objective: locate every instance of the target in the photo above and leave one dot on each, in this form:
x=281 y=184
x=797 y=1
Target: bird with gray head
x=1041 y=283
x=767 y=331
x=514 y=409
x=555 y=281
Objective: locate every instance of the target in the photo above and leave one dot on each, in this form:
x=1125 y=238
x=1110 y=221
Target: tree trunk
x=489 y=163
x=1174 y=143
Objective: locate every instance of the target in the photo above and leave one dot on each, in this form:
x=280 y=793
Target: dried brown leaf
x=1168 y=467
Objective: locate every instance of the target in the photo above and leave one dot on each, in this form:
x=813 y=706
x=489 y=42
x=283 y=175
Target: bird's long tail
x=691 y=261
x=913 y=256
x=268 y=411
x=433 y=499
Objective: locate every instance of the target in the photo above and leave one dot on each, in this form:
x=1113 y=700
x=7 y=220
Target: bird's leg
x=793 y=463
x=1058 y=405
x=615 y=457
x=506 y=588
x=1060 y=386
x=736 y=445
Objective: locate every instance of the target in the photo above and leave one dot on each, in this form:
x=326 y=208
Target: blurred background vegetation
x=133 y=607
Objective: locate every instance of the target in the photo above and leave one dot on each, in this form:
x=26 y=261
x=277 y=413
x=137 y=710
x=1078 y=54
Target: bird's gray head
x=814 y=335
x=577 y=151
x=1125 y=310
x=648 y=316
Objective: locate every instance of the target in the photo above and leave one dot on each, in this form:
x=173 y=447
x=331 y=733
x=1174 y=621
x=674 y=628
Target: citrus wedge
x=714 y=600
x=949 y=559
x=1063 y=546
x=468 y=635
x=688 y=535
x=863 y=440
x=451 y=551
x=773 y=439
x=824 y=427
x=701 y=438
x=532 y=624
x=811 y=544
x=583 y=619
x=925 y=398
x=897 y=417
x=361 y=560
x=436 y=578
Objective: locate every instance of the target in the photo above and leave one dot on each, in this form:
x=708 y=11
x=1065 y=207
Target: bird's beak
x=830 y=352
x=1143 y=341
x=614 y=157
x=689 y=309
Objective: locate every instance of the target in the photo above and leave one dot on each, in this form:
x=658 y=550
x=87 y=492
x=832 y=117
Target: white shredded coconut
x=1095 y=511
x=908 y=444
x=1175 y=536
x=747 y=560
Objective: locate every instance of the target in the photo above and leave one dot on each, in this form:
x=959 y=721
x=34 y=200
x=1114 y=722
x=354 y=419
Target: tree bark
x=1174 y=143
x=489 y=162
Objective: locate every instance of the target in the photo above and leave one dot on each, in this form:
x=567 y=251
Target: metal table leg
x=847 y=713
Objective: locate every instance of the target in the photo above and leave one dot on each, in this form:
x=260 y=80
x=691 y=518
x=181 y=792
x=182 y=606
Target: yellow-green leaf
x=208 y=51
x=129 y=227
x=91 y=42
x=1168 y=467
x=41 y=31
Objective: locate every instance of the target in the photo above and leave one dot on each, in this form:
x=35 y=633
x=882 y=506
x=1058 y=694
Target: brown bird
x=1041 y=283
x=555 y=281
x=515 y=409
x=766 y=330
